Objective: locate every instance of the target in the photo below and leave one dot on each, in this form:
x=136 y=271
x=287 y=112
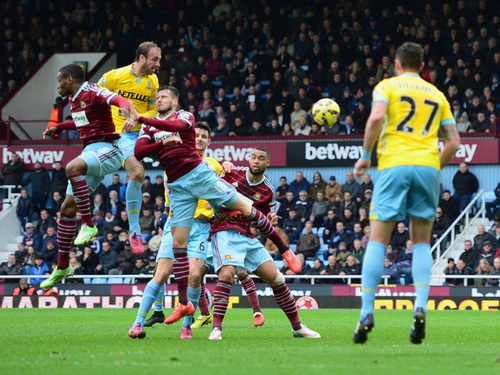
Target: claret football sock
x=221 y=300
x=373 y=269
x=181 y=273
x=249 y=286
x=66 y=231
x=203 y=303
x=82 y=197
x=286 y=302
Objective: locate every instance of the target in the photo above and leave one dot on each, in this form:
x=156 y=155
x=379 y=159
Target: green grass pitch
x=95 y=342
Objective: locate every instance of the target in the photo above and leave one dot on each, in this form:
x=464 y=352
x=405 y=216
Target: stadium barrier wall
x=323 y=295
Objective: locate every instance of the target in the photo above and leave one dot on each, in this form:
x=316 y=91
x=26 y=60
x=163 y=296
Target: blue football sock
x=421 y=272
x=373 y=269
x=193 y=296
x=148 y=298
x=134 y=202
x=158 y=304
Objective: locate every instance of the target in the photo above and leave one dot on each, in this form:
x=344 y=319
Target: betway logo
x=230 y=153
x=465 y=151
x=476 y=293
x=30 y=156
x=332 y=151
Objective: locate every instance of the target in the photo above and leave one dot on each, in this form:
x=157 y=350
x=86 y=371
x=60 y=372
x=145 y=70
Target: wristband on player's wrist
x=366 y=155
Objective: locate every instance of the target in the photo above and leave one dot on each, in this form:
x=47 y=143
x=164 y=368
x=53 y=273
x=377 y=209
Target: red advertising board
x=311 y=153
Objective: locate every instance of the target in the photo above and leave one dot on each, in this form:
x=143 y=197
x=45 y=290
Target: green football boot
x=57 y=276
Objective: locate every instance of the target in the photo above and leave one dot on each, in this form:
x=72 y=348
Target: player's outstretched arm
x=55 y=129
x=143 y=148
x=451 y=143
x=372 y=132
x=174 y=125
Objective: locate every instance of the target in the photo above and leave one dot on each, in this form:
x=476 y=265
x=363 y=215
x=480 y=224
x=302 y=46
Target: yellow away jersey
x=203 y=210
x=141 y=91
x=416 y=109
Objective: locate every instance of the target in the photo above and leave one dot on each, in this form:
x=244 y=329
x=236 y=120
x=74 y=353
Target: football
x=306 y=303
x=325 y=112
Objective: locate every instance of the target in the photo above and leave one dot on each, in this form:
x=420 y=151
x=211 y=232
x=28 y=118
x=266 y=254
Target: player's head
x=202 y=137
x=167 y=99
x=409 y=56
x=148 y=56
x=259 y=160
x=69 y=79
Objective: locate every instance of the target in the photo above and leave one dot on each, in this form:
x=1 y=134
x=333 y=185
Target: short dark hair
x=172 y=89
x=263 y=149
x=72 y=70
x=410 y=55
x=447 y=191
x=201 y=125
x=144 y=49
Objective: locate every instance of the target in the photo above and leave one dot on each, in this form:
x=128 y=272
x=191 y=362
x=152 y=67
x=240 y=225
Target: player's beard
x=259 y=172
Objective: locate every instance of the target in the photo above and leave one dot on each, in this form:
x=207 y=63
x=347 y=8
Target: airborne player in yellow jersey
x=406 y=117
x=138 y=83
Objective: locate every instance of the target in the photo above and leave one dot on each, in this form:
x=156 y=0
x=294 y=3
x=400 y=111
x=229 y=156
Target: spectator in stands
x=122 y=223
x=114 y=205
x=40 y=185
x=318 y=184
x=337 y=202
x=399 y=237
x=342 y=253
x=98 y=207
x=317 y=268
x=341 y=234
x=480 y=125
x=45 y=221
x=351 y=267
x=348 y=203
x=358 y=251
x=11 y=267
x=463 y=124
x=146 y=202
x=348 y=219
x=24 y=289
x=461 y=270
x=299 y=184
x=158 y=188
x=366 y=236
x=27 y=259
x=367 y=184
x=115 y=184
x=292 y=225
x=391 y=270
x=483 y=236
x=465 y=184
x=303 y=206
x=50 y=253
x=439 y=227
x=12 y=172
x=319 y=209
x=50 y=236
x=39 y=269
x=24 y=209
x=146 y=186
x=450 y=207
x=139 y=269
x=487 y=253
x=495 y=271
x=330 y=225
x=146 y=222
x=77 y=270
x=297 y=113
x=308 y=243
x=89 y=261
x=351 y=185
x=286 y=205
x=332 y=268
x=57 y=201
x=107 y=259
x=450 y=270
x=483 y=268
x=282 y=189
x=332 y=188
x=272 y=248
x=493 y=208
x=31 y=237
x=59 y=179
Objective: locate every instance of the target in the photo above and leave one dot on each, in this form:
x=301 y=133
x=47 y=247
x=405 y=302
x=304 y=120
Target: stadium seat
x=293 y=248
x=217 y=83
x=115 y=280
x=127 y=280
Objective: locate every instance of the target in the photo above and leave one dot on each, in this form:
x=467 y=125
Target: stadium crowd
x=325 y=222
x=256 y=68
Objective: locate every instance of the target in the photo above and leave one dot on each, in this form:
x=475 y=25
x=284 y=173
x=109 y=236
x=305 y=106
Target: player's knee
x=226 y=275
x=279 y=279
x=68 y=208
x=136 y=171
x=76 y=166
x=241 y=273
